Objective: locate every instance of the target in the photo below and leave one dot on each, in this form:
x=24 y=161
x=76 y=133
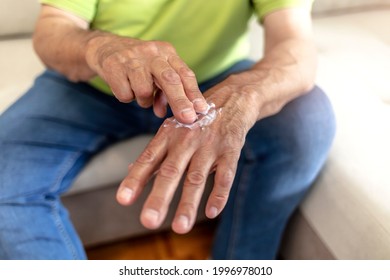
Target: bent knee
x=303 y=130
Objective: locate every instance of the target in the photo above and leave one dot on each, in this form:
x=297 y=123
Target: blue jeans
x=50 y=133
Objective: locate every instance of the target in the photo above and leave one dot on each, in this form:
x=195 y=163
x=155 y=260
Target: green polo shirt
x=209 y=35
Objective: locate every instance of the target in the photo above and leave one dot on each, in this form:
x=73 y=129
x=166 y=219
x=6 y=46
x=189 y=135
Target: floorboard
x=167 y=245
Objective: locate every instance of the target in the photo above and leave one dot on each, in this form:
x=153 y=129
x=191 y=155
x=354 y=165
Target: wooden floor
x=195 y=245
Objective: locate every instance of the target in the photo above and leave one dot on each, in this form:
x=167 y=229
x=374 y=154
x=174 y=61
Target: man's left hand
x=194 y=153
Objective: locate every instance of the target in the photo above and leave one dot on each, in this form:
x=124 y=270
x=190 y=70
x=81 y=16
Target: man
x=115 y=66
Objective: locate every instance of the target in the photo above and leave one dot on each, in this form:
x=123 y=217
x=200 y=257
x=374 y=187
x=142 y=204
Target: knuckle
x=134 y=63
x=114 y=59
x=169 y=170
x=147 y=157
x=224 y=181
x=152 y=47
x=170 y=76
x=196 y=178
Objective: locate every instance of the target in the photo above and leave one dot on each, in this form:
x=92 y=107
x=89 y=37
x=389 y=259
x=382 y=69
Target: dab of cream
x=202 y=120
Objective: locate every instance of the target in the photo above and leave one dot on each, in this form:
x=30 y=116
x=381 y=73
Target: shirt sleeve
x=85 y=9
x=264 y=7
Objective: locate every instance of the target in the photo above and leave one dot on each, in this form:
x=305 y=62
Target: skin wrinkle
x=147 y=156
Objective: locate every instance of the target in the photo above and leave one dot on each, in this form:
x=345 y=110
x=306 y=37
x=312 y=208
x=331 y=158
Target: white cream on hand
x=203 y=119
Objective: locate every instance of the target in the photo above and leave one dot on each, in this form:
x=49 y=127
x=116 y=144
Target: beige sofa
x=347 y=213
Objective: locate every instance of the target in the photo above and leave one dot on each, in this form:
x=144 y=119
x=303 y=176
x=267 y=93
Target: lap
x=50 y=132
x=301 y=127
x=286 y=151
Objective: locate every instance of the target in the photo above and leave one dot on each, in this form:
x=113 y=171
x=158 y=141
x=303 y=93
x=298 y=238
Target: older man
x=116 y=68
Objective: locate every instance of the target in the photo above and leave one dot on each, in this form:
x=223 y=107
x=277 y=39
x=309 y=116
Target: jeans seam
x=54 y=207
x=238 y=206
x=61 y=228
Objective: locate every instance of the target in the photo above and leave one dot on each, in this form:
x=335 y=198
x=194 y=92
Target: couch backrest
x=18 y=16
x=321 y=6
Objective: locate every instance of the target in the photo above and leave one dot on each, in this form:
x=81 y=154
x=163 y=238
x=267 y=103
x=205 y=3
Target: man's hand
x=193 y=153
x=285 y=72
x=150 y=72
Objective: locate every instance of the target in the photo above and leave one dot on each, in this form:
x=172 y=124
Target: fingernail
x=183 y=221
x=151 y=215
x=126 y=194
x=200 y=106
x=213 y=212
x=188 y=114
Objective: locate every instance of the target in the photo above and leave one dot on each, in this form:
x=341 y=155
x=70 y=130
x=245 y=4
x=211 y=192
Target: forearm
x=62 y=42
x=287 y=71
x=287 y=68
x=61 y=45
x=150 y=72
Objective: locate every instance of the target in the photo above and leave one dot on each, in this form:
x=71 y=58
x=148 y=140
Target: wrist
x=250 y=87
x=93 y=44
x=240 y=102
x=98 y=44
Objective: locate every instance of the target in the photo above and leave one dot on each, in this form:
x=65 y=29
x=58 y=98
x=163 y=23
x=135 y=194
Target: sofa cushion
x=110 y=166
x=349 y=205
x=14 y=18
x=354 y=51
x=19 y=67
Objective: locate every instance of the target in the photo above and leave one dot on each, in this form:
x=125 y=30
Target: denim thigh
x=281 y=158
x=46 y=138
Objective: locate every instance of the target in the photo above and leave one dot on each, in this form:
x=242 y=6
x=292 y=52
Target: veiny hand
x=150 y=72
x=198 y=152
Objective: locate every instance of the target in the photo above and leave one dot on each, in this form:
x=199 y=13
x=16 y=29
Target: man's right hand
x=149 y=72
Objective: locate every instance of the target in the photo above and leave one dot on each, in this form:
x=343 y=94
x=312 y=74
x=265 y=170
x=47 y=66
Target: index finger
x=171 y=84
x=190 y=83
